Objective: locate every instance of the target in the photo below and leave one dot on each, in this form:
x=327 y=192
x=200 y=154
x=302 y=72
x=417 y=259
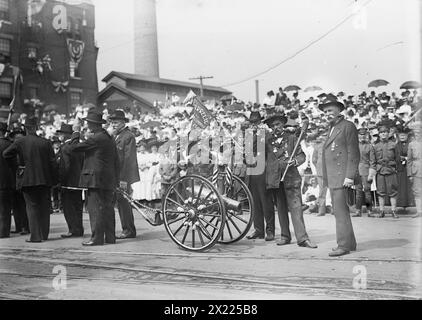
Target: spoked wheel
x=239 y=215
x=194 y=213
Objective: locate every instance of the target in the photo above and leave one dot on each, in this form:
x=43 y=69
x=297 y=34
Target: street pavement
x=386 y=265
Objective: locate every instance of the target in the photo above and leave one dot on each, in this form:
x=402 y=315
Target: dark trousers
x=289 y=199
x=19 y=212
x=126 y=216
x=72 y=209
x=264 y=205
x=100 y=205
x=344 y=229
x=5 y=212
x=363 y=194
x=322 y=196
x=38 y=208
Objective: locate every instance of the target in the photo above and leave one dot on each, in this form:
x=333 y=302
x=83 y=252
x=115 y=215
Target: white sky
x=235 y=39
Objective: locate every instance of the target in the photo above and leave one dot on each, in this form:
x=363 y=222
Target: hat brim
x=274 y=118
x=116 y=118
x=331 y=103
x=94 y=121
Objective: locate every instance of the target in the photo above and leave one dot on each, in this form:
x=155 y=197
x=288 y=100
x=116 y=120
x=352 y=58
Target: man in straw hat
x=129 y=173
x=100 y=175
x=340 y=168
x=37 y=175
x=70 y=166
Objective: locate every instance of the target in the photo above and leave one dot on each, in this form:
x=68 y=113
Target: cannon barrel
x=231 y=204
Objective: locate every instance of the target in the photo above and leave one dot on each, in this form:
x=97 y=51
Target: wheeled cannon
x=198 y=212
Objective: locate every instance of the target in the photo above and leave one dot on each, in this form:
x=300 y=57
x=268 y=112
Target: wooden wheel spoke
x=176 y=203
x=239 y=218
x=200 y=236
x=176 y=220
x=199 y=193
x=178 y=229
x=234 y=224
x=204 y=229
x=185 y=235
x=193 y=238
x=193 y=188
x=229 y=230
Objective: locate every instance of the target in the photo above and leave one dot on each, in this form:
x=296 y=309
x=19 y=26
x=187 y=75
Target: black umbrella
x=313 y=88
x=378 y=83
x=410 y=85
x=292 y=88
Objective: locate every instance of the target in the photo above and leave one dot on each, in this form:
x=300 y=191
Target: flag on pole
x=202 y=117
x=188 y=100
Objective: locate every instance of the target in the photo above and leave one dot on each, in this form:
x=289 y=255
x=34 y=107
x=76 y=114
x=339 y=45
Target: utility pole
x=201 y=78
x=257 y=91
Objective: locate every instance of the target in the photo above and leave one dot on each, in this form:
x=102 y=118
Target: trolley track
x=141 y=275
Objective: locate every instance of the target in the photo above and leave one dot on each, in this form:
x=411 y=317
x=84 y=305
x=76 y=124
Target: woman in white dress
x=140 y=188
x=153 y=172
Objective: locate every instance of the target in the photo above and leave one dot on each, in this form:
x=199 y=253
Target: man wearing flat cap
x=70 y=166
x=340 y=169
x=287 y=194
x=386 y=159
x=129 y=173
x=367 y=171
x=100 y=175
x=37 y=175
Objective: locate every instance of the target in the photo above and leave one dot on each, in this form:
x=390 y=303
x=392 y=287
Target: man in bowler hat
x=37 y=175
x=129 y=172
x=7 y=185
x=70 y=166
x=100 y=175
x=340 y=168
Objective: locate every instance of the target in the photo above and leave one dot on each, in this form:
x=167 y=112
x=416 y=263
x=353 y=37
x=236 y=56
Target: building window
x=5 y=47
x=32 y=53
x=75 y=98
x=33 y=93
x=4 y=9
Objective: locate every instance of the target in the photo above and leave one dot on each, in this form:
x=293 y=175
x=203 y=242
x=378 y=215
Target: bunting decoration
x=76 y=50
x=60 y=86
x=34 y=7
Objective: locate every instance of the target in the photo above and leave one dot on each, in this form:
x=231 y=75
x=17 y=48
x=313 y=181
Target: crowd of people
x=50 y=162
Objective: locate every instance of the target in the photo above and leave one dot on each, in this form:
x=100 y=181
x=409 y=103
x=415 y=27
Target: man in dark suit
x=279 y=148
x=129 y=172
x=100 y=175
x=340 y=168
x=70 y=166
x=37 y=175
x=7 y=185
x=18 y=202
x=255 y=179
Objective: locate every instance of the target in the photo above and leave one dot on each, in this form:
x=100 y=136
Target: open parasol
x=292 y=88
x=378 y=83
x=410 y=85
x=313 y=88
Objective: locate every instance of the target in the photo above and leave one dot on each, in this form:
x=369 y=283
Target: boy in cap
x=367 y=171
x=386 y=162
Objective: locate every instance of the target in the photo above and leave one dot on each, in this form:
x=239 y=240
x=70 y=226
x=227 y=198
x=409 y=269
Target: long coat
x=70 y=164
x=37 y=156
x=367 y=158
x=341 y=155
x=101 y=164
x=414 y=159
x=126 y=149
x=7 y=180
x=277 y=159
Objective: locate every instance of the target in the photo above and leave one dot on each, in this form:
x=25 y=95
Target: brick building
x=52 y=44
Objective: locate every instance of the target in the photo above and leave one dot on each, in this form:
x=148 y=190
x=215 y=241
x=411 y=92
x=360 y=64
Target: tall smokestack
x=146 y=45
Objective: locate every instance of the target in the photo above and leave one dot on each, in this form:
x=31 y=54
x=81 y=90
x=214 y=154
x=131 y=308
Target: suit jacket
x=401 y=151
x=414 y=159
x=276 y=162
x=36 y=154
x=386 y=157
x=126 y=149
x=7 y=180
x=70 y=164
x=101 y=164
x=341 y=155
x=367 y=158
x=317 y=158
